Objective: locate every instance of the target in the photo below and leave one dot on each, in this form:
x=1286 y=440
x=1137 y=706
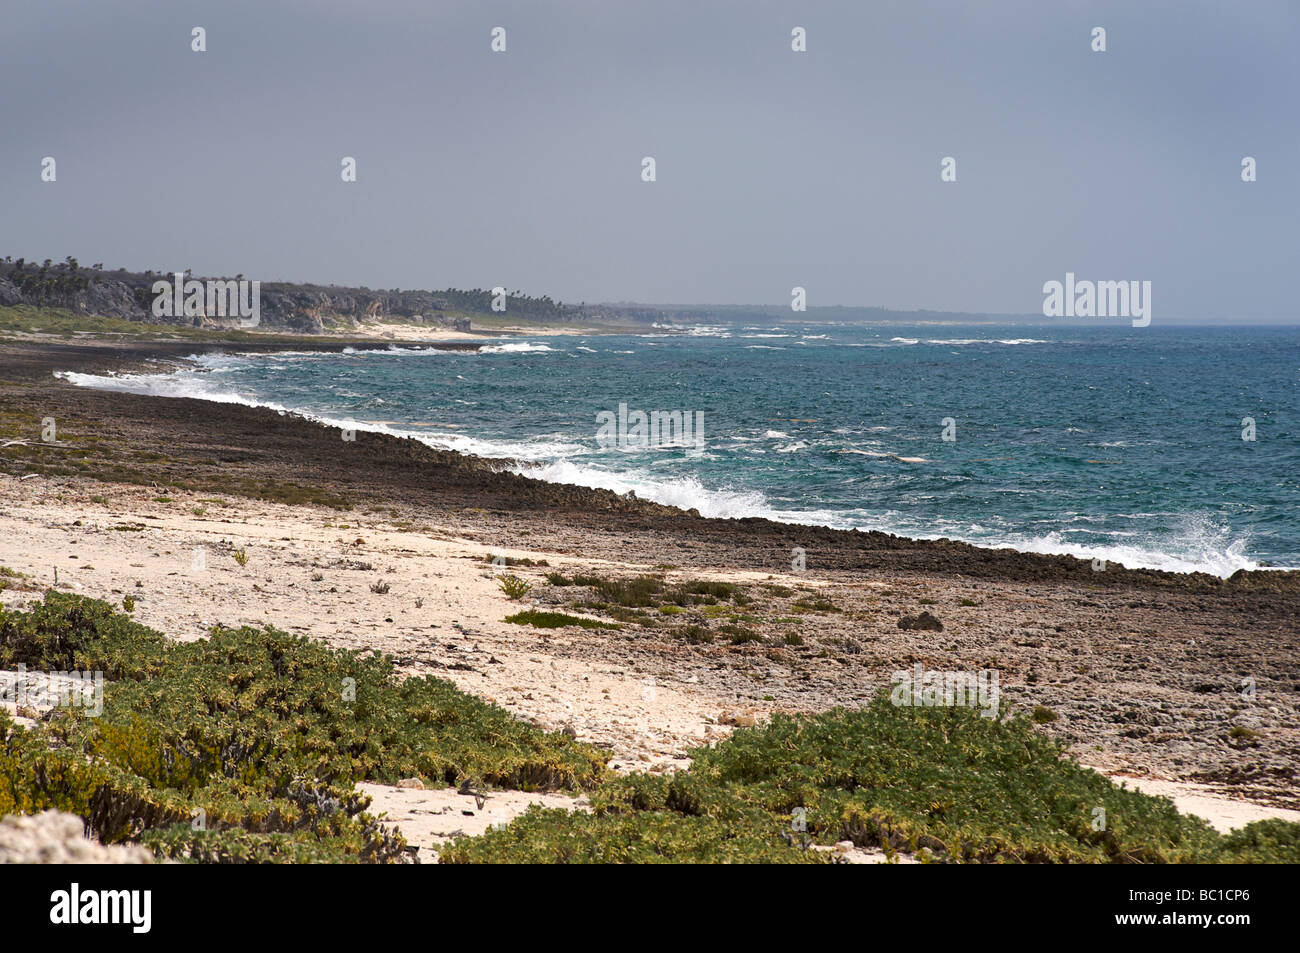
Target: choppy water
x=1111 y=442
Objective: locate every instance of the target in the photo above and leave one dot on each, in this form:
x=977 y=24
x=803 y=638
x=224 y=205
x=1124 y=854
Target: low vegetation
x=513 y=586
x=555 y=620
x=942 y=783
x=260 y=733
x=246 y=746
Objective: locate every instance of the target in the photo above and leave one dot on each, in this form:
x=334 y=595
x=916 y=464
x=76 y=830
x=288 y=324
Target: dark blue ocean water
x=1113 y=442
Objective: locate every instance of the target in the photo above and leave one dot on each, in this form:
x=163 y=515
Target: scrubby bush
x=553 y=836
x=1262 y=842
x=67 y=632
x=264 y=732
x=513 y=586
x=264 y=735
x=943 y=782
x=555 y=620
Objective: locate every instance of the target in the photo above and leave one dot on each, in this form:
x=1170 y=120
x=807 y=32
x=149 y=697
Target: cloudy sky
x=775 y=168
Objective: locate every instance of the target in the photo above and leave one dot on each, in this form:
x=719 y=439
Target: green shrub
x=555 y=620
x=264 y=732
x=267 y=734
x=739 y=634
x=513 y=586
x=71 y=633
x=553 y=836
x=814 y=604
x=944 y=780
x=694 y=634
x=1271 y=841
x=635 y=592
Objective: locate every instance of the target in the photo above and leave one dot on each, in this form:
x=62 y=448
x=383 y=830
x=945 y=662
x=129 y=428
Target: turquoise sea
x=1106 y=442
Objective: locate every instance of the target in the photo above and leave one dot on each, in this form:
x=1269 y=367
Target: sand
x=310 y=570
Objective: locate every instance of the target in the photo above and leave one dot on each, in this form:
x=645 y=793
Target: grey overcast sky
x=775 y=168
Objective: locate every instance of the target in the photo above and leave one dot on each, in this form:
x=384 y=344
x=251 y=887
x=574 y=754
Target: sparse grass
x=634 y=592
x=514 y=561
x=694 y=634
x=241 y=557
x=555 y=620
x=380 y=587
x=738 y=634
x=814 y=604
x=626 y=599
x=1043 y=715
x=699 y=590
x=514 y=587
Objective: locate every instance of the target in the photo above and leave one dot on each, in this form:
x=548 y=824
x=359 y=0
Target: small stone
x=414 y=784
x=925 y=621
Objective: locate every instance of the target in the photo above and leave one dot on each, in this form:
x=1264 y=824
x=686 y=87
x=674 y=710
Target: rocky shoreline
x=1136 y=671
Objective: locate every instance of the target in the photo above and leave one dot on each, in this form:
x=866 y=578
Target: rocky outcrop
x=296 y=307
x=9 y=295
x=55 y=837
x=925 y=622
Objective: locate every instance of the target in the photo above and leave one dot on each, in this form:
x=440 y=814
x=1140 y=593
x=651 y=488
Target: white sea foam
x=1197 y=545
x=520 y=347
x=962 y=342
x=685 y=493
